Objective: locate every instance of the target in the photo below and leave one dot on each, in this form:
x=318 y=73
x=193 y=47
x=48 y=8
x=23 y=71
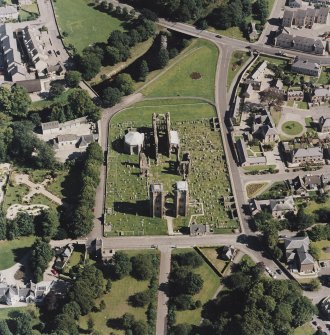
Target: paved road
x=162 y=308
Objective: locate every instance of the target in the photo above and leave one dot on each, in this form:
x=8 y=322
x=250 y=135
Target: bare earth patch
x=195 y=75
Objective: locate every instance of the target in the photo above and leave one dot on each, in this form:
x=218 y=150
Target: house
x=298 y=187
x=197 y=229
x=51 y=127
x=321 y=95
x=300 y=43
x=312 y=155
x=278 y=84
x=295 y=95
x=287 y=19
x=8 y=13
x=56 y=69
x=11 y=58
x=325 y=307
x=324 y=124
x=311 y=17
x=104 y=252
x=280 y=207
x=244 y=158
x=297 y=255
x=133 y=142
x=253 y=34
x=61 y=141
x=295 y=3
x=62 y=256
x=306 y=67
x=259 y=71
x=85 y=140
x=32 y=293
x=313 y=182
x=31 y=86
x=322 y=15
x=267 y=134
x=228 y=253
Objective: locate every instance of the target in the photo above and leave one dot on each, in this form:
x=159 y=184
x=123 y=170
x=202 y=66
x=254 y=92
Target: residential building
x=297 y=256
x=324 y=124
x=297 y=186
x=65 y=140
x=311 y=17
x=244 y=158
x=312 y=155
x=280 y=207
x=8 y=13
x=51 y=127
x=295 y=95
x=312 y=182
x=12 y=63
x=322 y=16
x=62 y=256
x=300 y=43
x=228 y=253
x=306 y=67
x=287 y=18
x=320 y=95
x=267 y=134
x=133 y=142
x=299 y=17
x=304 y=17
x=54 y=127
x=258 y=73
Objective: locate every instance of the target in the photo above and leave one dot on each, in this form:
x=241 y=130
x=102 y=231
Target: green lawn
x=127 y=197
x=313 y=206
x=258 y=167
x=253 y=189
x=324 y=78
x=237 y=61
x=306 y=329
x=27 y=12
x=177 y=80
x=84 y=24
x=213 y=255
x=292 y=128
x=323 y=244
x=211 y=285
x=13 y=251
x=232 y=32
x=117 y=302
x=302 y=105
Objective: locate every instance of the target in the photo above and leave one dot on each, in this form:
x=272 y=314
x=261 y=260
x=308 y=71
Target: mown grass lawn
x=237 y=61
x=177 y=81
x=84 y=24
x=306 y=329
x=322 y=244
x=12 y=251
x=255 y=188
x=313 y=206
x=211 y=285
x=258 y=167
x=213 y=255
x=292 y=128
x=117 y=301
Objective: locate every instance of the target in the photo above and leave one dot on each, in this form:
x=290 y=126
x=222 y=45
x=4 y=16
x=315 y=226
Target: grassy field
x=13 y=251
x=213 y=255
x=306 y=329
x=302 y=105
x=211 y=284
x=177 y=81
x=237 y=61
x=128 y=194
x=27 y=11
x=324 y=78
x=14 y=195
x=258 y=167
x=313 y=206
x=292 y=128
x=255 y=188
x=84 y=24
x=323 y=244
x=117 y=302
x=276 y=115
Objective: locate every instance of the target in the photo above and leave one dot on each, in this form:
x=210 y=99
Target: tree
x=182 y=329
x=25 y=224
x=111 y=96
x=90 y=324
x=183 y=281
x=149 y=14
x=102 y=305
x=72 y=309
x=162 y=58
x=124 y=83
x=3 y=226
x=5 y=100
x=121 y=265
x=72 y=78
x=261 y=9
x=42 y=254
x=64 y=324
x=4 y=330
x=56 y=89
x=303 y=220
x=191 y=258
x=112 y=55
x=57 y=113
x=89 y=65
x=20 y=101
x=143 y=70
x=48 y=223
x=314 y=284
x=140 y=299
x=23 y=324
x=183 y=302
x=142 y=267
x=315 y=251
x=94 y=152
x=108 y=286
x=274 y=98
x=139 y=328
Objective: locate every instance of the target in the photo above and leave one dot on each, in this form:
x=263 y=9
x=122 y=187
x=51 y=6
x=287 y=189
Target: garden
x=292 y=128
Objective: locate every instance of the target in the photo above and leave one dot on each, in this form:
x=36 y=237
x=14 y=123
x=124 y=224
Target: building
x=174 y=143
x=181 y=198
x=157 y=200
x=295 y=3
x=306 y=67
x=267 y=134
x=62 y=256
x=259 y=71
x=300 y=43
x=322 y=16
x=287 y=18
x=280 y=207
x=325 y=307
x=8 y=13
x=52 y=127
x=104 y=252
x=31 y=86
x=133 y=142
x=324 y=124
x=61 y=141
x=295 y=95
x=197 y=229
x=312 y=155
x=244 y=158
x=321 y=95
x=12 y=63
x=34 y=49
x=297 y=255
x=228 y=253
x=304 y=17
x=312 y=182
x=24 y=2
x=32 y=293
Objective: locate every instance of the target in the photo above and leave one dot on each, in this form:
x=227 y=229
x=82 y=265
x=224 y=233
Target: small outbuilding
x=133 y=142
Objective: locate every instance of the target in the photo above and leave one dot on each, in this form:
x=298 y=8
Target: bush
x=191 y=258
x=142 y=267
x=183 y=302
x=140 y=299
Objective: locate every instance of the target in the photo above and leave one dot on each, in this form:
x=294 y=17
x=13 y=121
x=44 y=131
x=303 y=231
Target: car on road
x=279 y=271
x=218 y=36
x=58 y=52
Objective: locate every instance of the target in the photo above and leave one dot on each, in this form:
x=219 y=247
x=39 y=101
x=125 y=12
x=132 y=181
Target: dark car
x=279 y=271
x=218 y=36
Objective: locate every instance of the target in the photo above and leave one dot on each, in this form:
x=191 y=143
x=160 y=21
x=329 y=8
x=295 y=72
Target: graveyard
x=210 y=197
